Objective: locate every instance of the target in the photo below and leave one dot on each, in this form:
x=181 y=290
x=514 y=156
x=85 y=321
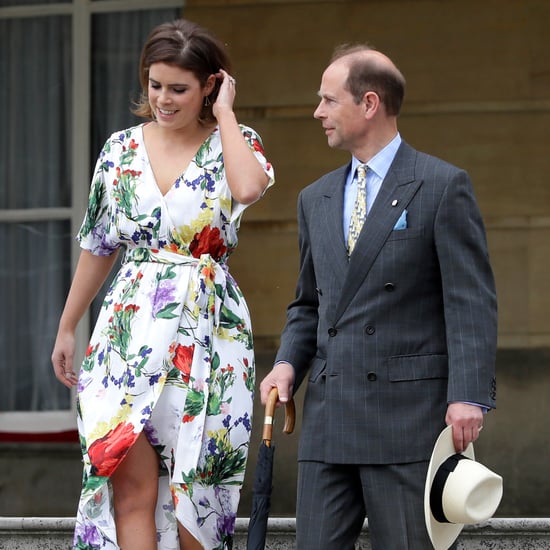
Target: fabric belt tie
x=211 y=279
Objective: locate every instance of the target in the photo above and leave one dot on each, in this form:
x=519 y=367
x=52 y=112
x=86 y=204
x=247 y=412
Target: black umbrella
x=261 y=499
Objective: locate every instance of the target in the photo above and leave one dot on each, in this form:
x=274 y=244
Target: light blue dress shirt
x=378 y=168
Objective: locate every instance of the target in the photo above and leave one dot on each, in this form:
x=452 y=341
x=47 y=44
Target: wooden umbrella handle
x=290 y=416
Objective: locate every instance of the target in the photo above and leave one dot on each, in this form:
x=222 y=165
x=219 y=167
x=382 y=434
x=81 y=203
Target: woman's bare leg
x=187 y=540
x=135 y=492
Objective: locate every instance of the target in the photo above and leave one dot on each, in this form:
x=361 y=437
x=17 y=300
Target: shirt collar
x=381 y=162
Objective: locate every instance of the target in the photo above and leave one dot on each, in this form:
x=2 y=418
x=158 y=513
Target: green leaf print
x=228 y=319
x=193 y=404
x=94 y=482
x=95 y=209
x=215 y=362
x=167 y=312
x=222 y=380
x=214 y=404
x=224 y=463
x=188 y=479
x=89 y=358
x=219 y=291
x=232 y=291
x=202 y=153
x=249 y=377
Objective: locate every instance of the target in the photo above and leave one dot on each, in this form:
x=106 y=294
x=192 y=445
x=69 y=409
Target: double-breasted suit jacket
x=407 y=324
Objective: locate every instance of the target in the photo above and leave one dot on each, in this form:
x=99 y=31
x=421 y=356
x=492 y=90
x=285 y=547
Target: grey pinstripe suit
x=403 y=327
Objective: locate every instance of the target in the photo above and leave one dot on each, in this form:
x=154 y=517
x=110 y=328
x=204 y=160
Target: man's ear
x=372 y=103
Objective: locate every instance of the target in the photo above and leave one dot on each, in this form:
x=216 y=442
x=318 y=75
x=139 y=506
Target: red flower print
x=133 y=144
x=208 y=241
x=183 y=360
x=107 y=452
x=257 y=146
x=133 y=173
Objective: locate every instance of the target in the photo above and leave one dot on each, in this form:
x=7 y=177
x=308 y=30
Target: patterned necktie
x=360 y=209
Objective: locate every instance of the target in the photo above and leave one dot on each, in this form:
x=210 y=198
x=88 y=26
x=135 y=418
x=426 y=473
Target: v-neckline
x=181 y=177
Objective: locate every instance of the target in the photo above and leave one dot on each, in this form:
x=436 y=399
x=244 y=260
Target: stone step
x=29 y=533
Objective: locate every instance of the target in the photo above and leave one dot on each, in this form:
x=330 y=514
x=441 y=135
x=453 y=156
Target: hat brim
x=442 y=535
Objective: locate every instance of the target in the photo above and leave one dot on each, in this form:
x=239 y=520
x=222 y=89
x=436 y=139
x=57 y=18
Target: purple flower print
x=89 y=535
x=162 y=296
x=226 y=524
x=151 y=434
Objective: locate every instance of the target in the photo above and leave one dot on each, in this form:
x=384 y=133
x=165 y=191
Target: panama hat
x=458 y=491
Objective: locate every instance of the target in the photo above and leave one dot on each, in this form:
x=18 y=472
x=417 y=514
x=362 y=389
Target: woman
x=166 y=386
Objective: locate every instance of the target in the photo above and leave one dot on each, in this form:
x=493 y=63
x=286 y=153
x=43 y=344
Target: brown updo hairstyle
x=186 y=45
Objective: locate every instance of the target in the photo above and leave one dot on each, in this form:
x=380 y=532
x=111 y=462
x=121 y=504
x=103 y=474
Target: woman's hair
x=367 y=73
x=188 y=46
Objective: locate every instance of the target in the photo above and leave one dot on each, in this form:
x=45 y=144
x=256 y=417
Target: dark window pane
x=35 y=109
x=34 y=280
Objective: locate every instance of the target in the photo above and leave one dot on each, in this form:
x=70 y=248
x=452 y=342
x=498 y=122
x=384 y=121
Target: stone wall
x=503 y=534
x=478 y=95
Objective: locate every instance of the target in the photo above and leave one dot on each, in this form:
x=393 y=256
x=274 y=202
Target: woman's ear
x=210 y=84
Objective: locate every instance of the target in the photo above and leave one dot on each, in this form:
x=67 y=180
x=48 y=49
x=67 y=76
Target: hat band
x=438 y=485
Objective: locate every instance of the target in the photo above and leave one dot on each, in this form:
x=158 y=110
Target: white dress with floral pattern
x=171 y=353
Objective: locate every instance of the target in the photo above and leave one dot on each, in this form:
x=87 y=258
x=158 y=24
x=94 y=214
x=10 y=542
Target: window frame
x=81 y=13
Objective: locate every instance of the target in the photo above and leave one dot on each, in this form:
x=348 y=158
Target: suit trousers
x=333 y=500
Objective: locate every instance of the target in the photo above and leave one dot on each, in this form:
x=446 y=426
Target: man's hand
x=467 y=422
x=280 y=377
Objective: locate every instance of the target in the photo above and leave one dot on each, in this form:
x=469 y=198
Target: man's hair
x=369 y=73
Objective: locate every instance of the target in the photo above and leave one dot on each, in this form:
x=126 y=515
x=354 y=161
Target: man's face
x=343 y=120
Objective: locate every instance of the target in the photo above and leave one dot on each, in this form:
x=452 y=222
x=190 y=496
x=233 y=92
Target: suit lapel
x=397 y=190
x=330 y=220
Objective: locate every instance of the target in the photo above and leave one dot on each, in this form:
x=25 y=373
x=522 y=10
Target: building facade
x=478 y=95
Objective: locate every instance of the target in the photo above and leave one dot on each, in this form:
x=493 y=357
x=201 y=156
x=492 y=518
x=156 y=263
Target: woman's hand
x=62 y=359
x=91 y=272
x=226 y=93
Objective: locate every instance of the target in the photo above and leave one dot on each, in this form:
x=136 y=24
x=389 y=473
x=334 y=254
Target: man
x=397 y=327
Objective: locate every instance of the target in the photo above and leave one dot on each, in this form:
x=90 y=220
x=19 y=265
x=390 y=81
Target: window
x=69 y=74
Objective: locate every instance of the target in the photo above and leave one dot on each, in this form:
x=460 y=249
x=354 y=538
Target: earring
x=206 y=101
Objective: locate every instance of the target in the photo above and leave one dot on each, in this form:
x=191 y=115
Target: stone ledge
x=28 y=533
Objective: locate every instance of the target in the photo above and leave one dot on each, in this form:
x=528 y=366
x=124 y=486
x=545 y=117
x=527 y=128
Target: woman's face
x=175 y=95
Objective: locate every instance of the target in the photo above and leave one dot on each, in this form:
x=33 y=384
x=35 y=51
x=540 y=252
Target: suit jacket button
x=369 y=330
x=390 y=287
x=332 y=331
x=371 y=376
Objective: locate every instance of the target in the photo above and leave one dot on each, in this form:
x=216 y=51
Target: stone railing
x=495 y=534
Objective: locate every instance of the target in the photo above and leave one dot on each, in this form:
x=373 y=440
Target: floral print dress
x=171 y=353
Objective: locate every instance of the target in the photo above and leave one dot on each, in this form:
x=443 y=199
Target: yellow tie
x=360 y=209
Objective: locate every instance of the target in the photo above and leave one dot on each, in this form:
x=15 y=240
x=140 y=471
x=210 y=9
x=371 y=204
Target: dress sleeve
x=94 y=234
x=255 y=143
